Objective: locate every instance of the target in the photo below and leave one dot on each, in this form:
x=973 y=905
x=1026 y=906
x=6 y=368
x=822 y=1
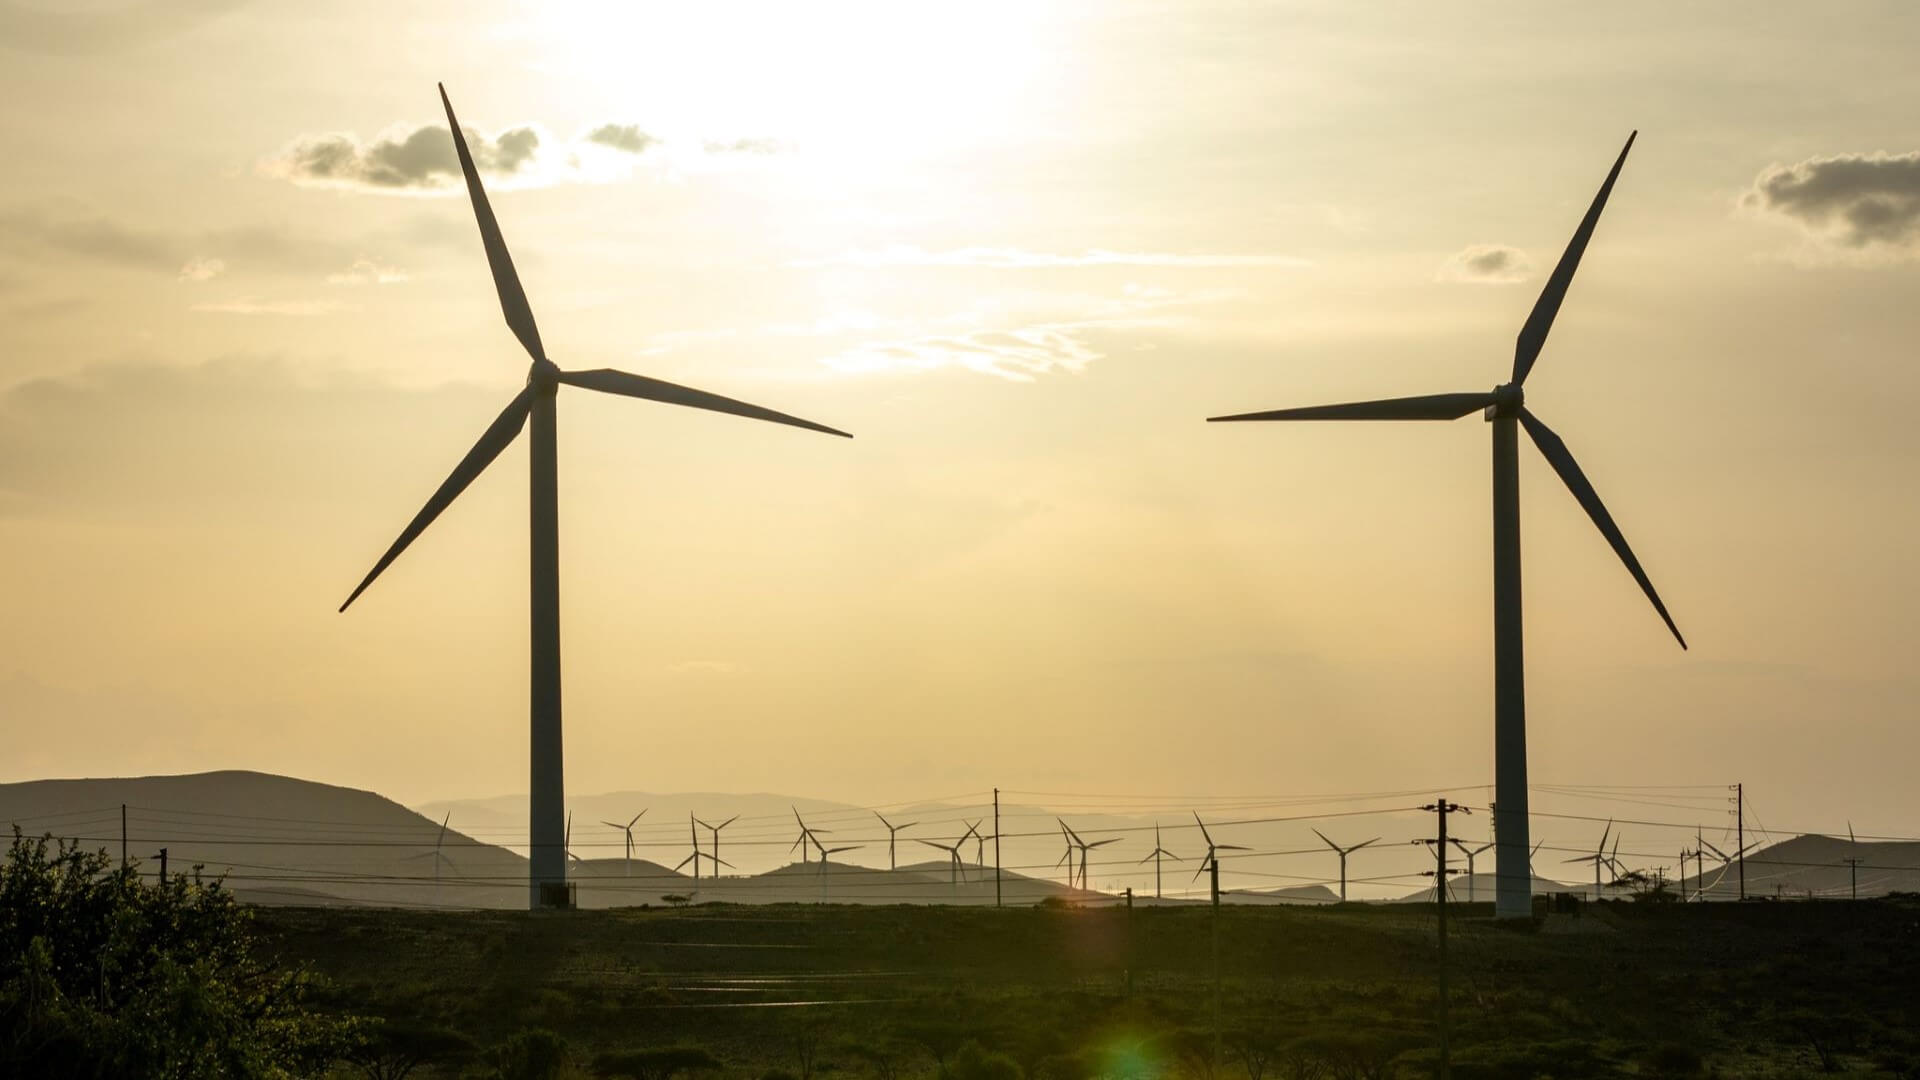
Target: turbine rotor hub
x=544 y=374
x=1507 y=400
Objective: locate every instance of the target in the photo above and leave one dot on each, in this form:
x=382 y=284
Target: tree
x=105 y=975
x=975 y=1062
x=392 y=1050
x=661 y=1063
x=886 y=1058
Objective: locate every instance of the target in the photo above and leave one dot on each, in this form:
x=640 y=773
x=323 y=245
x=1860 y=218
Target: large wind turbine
x=892 y=832
x=628 y=830
x=546 y=864
x=1600 y=859
x=1343 y=853
x=1503 y=407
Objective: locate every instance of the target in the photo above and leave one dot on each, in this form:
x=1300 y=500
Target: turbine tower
x=1505 y=410
x=547 y=863
x=1852 y=861
x=1156 y=855
x=1343 y=853
x=628 y=830
x=892 y=832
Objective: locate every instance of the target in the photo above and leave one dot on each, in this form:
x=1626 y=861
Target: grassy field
x=1737 y=990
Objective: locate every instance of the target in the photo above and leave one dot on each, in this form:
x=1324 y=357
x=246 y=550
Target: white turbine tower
x=1158 y=852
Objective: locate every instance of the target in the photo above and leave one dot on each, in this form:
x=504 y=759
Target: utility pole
x=163 y=866
x=1853 y=876
x=996 y=851
x=1129 y=943
x=123 y=836
x=1439 y=873
x=1216 y=963
x=1740 y=833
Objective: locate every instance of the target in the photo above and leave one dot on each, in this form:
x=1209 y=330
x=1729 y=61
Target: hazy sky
x=1019 y=249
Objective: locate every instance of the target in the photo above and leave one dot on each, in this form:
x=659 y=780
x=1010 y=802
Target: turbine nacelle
x=1508 y=398
x=544 y=375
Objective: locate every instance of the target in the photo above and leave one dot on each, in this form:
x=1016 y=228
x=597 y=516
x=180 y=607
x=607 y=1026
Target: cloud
x=627 y=138
x=247 y=305
x=1020 y=355
x=1854 y=201
x=421 y=159
x=1016 y=258
x=744 y=146
x=1486 y=264
x=189 y=256
x=201 y=268
x=368 y=272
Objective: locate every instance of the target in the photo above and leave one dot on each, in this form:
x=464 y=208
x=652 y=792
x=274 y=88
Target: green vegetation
x=715 y=992
x=102 y=975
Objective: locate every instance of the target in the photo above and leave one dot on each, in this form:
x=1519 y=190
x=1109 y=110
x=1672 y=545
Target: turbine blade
x=1425 y=407
x=1357 y=847
x=1232 y=847
x=687 y=860
x=1329 y=843
x=1561 y=459
x=609 y=381
x=504 y=429
x=1533 y=336
x=513 y=299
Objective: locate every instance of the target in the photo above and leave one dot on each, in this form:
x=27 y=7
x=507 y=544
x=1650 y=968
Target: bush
x=104 y=975
x=531 y=1054
x=657 y=1064
x=975 y=1062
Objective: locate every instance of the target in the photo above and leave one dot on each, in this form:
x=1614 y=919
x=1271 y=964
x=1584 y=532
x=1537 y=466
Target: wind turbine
x=715 y=829
x=627 y=829
x=566 y=841
x=1504 y=408
x=1471 y=853
x=892 y=831
x=1066 y=836
x=806 y=837
x=1156 y=854
x=1343 y=853
x=823 y=863
x=693 y=836
x=1086 y=847
x=547 y=864
x=956 y=865
x=1212 y=859
x=440 y=857
x=1599 y=858
x=979 y=844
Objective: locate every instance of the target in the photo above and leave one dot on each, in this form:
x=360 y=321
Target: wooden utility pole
x=123 y=836
x=1439 y=873
x=1129 y=942
x=163 y=866
x=996 y=847
x=1740 y=833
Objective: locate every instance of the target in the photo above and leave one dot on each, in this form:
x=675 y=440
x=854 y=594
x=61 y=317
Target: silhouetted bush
x=531 y=1054
x=104 y=975
x=975 y=1062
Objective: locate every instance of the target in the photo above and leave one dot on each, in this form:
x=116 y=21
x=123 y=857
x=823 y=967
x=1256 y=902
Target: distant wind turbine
x=1066 y=860
x=1159 y=851
x=1505 y=409
x=956 y=865
x=1211 y=859
x=1600 y=859
x=693 y=837
x=566 y=840
x=437 y=856
x=628 y=830
x=806 y=837
x=1471 y=853
x=1343 y=853
x=547 y=863
x=715 y=829
x=892 y=832
x=979 y=844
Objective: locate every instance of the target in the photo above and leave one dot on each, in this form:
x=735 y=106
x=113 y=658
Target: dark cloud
x=1487 y=264
x=423 y=158
x=1856 y=200
x=627 y=137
